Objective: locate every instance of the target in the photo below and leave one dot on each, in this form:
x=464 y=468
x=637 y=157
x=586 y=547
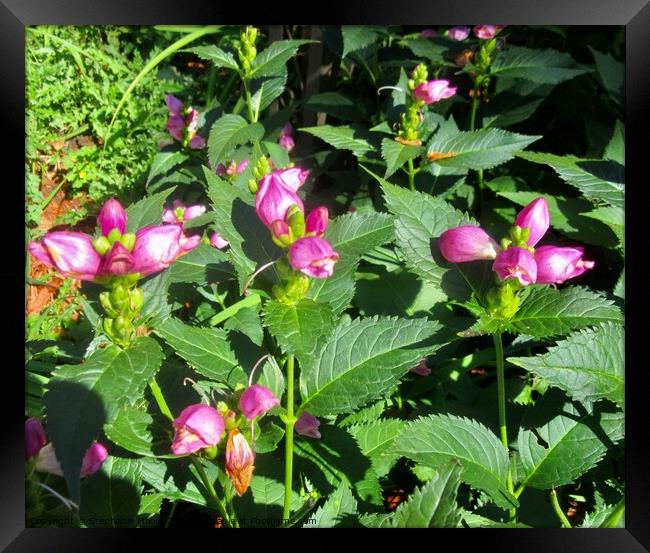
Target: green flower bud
x=210 y=452
x=104 y=299
x=296 y=221
x=119 y=295
x=102 y=245
x=252 y=186
x=114 y=235
x=136 y=299
x=128 y=241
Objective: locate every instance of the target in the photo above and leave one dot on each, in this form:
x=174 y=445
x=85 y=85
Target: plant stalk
x=411 y=175
x=213 y=494
x=558 y=510
x=288 y=447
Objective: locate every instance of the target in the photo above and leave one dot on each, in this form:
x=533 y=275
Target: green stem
x=212 y=80
x=54 y=192
x=160 y=400
x=300 y=513
x=501 y=391
x=612 y=520
x=558 y=510
x=472 y=113
x=411 y=175
x=249 y=301
x=249 y=103
x=213 y=494
x=288 y=447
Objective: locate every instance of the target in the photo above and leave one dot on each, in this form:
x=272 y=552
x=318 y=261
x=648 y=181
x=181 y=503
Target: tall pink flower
x=46 y=460
x=217 y=241
x=257 y=400
x=156 y=248
x=467 y=243
x=516 y=263
x=434 y=91
x=487 y=31
x=71 y=253
x=183 y=123
x=274 y=197
x=555 y=264
x=313 y=256
x=197 y=427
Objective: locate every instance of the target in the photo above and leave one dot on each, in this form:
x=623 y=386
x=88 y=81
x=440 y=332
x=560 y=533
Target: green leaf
x=588 y=365
x=430 y=506
x=396 y=154
x=271 y=376
x=81 y=398
x=338 y=105
x=204 y=264
x=279 y=155
x=357 y=37
x=228 y=132
x=555 y=449
x=111 y=498
x=541 y=66
x=482 y=149
x=426 y=48
x=147 y=211
x=514 y=104
x=615 y=149
x=130 y=429
x=265 y=90
x=612 y=75
x=548 y=312
x=150 y=504
x=595 y=178
x=351 y=235
x=339 y=511
x=437 y=440
x=156 y=306
x=299 y=329
x=248 y=322
x=356 y=139
x=375 y=439
x=206 y=350
x=217 y=56
x=362 y=360
x=272 y=60
x=164 y=162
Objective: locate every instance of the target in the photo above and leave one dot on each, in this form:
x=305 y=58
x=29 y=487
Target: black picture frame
x=15 y=15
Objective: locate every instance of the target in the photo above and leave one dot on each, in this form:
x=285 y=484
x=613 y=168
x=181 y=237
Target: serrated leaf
x=217 y=56
x=482 y=149
x=164 y=162
x=300 y=329
x=588 y=365
x=362 y=360
x=426 y=48
x=248 y=322
x=339 y=511
x=202 y=265
x=350 y=235
x=111 y=498
x=357 y=37
x=541 y=66
x=228 y=132
x=396 y=154
x=555 y=449
x=271 y=61
x=438 y=439
x=356 y=139
x=150 y=504
x=615 y=149
x=596 y=179
x=147 y=211
x=514 y=104
x=612 y=75
x=206 y=350
x=156 y=306
x=375 y=439
x=338 y=105
x=81 y=398
x=548 y=312
x=265 y=90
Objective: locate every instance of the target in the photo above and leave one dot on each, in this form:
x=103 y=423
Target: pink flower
x=118 y=261
x=292 y=178
x=274 y=198
x=421 y=368
x=257 y=400
x=428 y=33
x=555 y=264
x=516 y=263
x=233 y=168
x=317 y=221
x=313 y=256
x=71 y=253
x=179 y=212
x=239 y=461
x=183 y=123
x=218 y=242
x=307 y=425
x=156 y=248
x=242 y=166
x=467 y=243
x=35 y=437
x=197 y=427
x=458 y=33
x=487 y=31
x=286 y=138
x=94 y=458
x=434 y=91
x=535 y=217
x=112 y=215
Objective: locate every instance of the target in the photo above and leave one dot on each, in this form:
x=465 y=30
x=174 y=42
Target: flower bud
x=286 y=138
x=273 y=200
x=313 y=256
x=487 y=31
x=112 y=216
x=239 y=461
x=242 y=166
x=555 y=264
x=434 y=91
x=136 y=299
x=458 y=33
x=35 y=437
x=257 y=400
x=307 y=425
x=281 y=234
x=252 y=186
x=197 y=427
x=317 y=221
x=101 y=245
x=128 y=240
x=467 y=243
x=296 y=220
x=428 y=33
x=535 y=217
x=217 y=241
x=93 y=459
x=421 y=368
x=516 y=263
x=104 y=299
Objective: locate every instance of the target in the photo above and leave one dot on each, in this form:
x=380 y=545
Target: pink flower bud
x=197 y=142
x=434 y=91
x=286 y=138
x=35 y=437
x=487 y=31
x=313 y=256
x=221 y=170
x=118 y=261
x=71 y=253
x=421 y=368
x=281 y=232
x=176 y=126
x=93 y=459
x=317 y=221
x=274 y=198
x=428 y=33
x=516 y=263
x=157 y=247
x=536 y=218
x=458 y=33
x=197 y=427
x=239 y=461
x=257 y=400
x=242 y=166
x=467 y=243
x=112 y=215
x=174 y=105
x=179 y=212
x=307 y=425
x=555 y=265
x=217 y=241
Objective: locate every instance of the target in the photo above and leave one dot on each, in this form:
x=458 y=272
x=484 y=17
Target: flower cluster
x=516 y=257
x=37 y=447
x=183 y=123
x=232 y=169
